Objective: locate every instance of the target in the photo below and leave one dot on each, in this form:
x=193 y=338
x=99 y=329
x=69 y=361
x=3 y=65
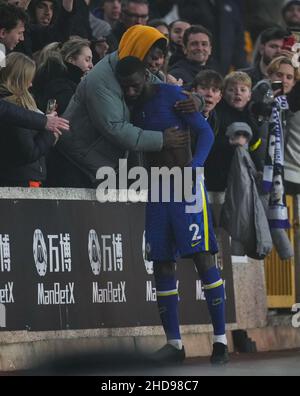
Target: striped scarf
x=273 y=178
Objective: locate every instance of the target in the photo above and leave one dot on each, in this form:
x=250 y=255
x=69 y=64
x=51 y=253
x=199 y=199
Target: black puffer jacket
x=186 y=69
x=33 y=7
x=22 y=154
x=15 y=115
x=54 y=81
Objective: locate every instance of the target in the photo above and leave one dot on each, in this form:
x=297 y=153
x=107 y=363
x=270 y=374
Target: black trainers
x=220 y=354
x=168 y=354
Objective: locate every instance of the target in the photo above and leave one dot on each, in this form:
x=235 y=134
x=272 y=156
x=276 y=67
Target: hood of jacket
x=32 y=9
x=138 y=40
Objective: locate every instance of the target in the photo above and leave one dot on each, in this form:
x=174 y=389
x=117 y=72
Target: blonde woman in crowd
x=283 y=76
x=22 y=151
x=283 y=70
x=60 y=71
x=57 y=78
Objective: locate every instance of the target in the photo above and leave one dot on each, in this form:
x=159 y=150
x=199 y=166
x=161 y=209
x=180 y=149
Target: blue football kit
x=170 y=230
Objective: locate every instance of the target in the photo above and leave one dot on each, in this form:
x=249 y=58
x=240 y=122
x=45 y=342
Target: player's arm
x=204 y=134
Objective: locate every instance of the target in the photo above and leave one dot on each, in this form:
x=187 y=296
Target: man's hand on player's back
x=175 y=138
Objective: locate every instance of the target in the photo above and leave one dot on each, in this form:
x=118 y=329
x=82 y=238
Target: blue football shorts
x=171 y=232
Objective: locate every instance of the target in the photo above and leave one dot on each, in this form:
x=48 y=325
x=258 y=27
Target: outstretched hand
x=190 y=105
x=173 y=81
x=56 y=124
x=175 y=138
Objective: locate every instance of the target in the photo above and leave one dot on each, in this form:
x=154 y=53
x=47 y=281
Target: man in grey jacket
x=101 y=132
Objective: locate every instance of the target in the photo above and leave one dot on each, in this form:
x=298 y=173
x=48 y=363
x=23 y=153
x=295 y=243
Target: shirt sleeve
x=204 y=135
x=20 y=117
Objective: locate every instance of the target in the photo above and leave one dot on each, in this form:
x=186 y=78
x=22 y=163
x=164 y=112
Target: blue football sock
x=215 y=297
x=167 y=300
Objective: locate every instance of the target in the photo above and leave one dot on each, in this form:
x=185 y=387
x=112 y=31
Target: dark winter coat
x=22 y=154
x=56 y=82
x=186 y=69
x=254 y=73
x=115 y=37
x=15 y=115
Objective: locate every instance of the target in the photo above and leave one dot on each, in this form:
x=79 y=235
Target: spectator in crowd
x=169 y=228
x=12 y=22
x=22 y=161
x=161 y=26
x=134 y=12
x=270 y=45
x=77 y=52
x=50 y=49
x=87 y=25
x=12 y=25
x=282 y=69
x=209 y=84
x=59 y=74
x=15 y=115
x=177 y=29
x=233 y=108
x=57 y=78
x=100 y=119
x=99 y=47
x=292 y=152
x=197 y=47
x=20 y=3
x=109 y=11
x=81 y=25
x=217 y=16
x=157 y=61
x=291 y=14
x=43 y=12
x=99 y=41
x=38 y=35
x=261 y=15
x=99 y=28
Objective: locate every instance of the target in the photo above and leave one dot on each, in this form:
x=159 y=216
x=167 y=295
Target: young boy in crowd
x=233 y=108
x=209 y=84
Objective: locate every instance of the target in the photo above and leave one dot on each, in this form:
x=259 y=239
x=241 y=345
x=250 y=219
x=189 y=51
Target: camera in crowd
x=263 y=95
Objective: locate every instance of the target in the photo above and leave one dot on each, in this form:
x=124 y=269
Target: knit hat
x=100 y=28
x=238 y=127
x=288 y=4
x=138 y=40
